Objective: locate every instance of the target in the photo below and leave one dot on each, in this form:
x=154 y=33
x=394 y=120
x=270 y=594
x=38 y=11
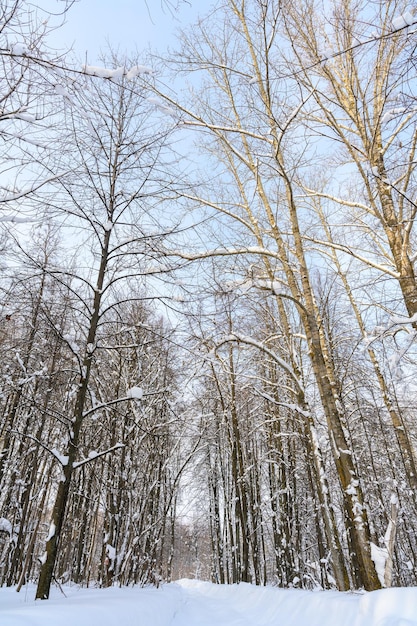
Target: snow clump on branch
x=119 y=72
x=135 y=392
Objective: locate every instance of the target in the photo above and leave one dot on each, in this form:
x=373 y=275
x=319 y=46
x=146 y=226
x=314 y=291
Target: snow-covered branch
x=93 y=455
x=216 y=252
x=234 y=337
x=119 y=72
x=385 y=269
x=17 y=195
x=135 y=393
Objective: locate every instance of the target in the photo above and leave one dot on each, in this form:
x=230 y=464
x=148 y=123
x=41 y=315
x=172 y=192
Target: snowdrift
x=196 y=603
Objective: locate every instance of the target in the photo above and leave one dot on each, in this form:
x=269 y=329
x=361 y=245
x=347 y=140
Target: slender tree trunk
x=61 y=501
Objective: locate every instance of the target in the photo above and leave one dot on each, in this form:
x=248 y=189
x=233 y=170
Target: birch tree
x=369 y=117
x=252 y=119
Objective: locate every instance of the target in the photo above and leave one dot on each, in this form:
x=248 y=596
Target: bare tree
x=253 y=130
x=109 y=204
x=369 y=118
x=31 y=76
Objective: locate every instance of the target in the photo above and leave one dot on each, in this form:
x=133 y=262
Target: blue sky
x=127 y=25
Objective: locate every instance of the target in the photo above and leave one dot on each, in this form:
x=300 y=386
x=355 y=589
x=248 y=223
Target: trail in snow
x=199 y=608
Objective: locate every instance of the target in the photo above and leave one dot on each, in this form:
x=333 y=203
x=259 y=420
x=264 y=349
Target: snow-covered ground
x=195 y=603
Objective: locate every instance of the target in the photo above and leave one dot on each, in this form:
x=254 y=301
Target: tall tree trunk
x=64 y=488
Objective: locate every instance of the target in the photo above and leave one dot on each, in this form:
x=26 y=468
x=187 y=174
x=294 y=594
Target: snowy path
x=198 y=608
x=195 y=603
x=246 y=605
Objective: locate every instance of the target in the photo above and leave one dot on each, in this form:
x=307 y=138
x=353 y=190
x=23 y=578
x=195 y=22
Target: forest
x=208 y=301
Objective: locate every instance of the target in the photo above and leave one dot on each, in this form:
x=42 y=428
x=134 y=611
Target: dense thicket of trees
x=208 y=303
